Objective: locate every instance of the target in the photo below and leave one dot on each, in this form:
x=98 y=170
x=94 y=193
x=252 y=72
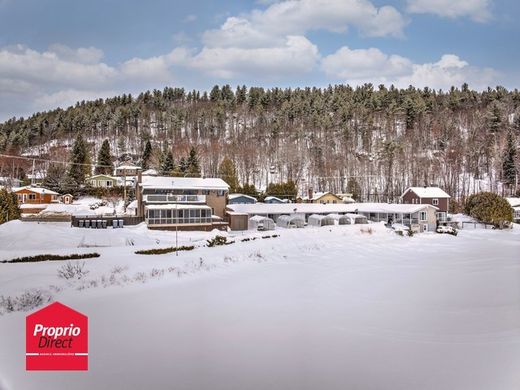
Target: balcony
x=151 y=199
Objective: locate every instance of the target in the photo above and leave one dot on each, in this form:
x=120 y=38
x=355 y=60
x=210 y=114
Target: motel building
x=185 y=203
x=418 y=217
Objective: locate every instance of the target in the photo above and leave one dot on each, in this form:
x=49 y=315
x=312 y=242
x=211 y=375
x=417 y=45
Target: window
x=109 y=183
x=32 y=196
x=422 y=215
x=435 y=202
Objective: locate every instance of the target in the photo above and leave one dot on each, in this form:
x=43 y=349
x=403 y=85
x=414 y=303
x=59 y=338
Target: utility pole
x=32 y=177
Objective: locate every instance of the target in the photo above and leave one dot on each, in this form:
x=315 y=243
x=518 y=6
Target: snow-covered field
x=316 y=308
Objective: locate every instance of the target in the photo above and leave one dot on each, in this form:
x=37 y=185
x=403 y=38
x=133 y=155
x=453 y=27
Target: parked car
x=447 y=230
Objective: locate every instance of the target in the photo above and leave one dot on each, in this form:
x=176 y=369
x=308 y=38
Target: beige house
x=183 y=202
x=322 y=198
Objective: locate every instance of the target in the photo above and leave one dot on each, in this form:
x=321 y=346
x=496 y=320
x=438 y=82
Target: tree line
x=372 y=141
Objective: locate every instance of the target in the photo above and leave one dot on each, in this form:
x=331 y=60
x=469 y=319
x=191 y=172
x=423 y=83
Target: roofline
x=420 y=197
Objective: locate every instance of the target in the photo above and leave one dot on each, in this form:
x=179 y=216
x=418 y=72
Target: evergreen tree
x=147 y=155
x=104 y=160
x=354 y=189
x=495 y=119
x=509 y=163
x=248 y=189
x=9 y=209
x=193 y=167
x=80 y=161
x=168 y=164
x=227 y=172
x=489 y=207
x=183 y=166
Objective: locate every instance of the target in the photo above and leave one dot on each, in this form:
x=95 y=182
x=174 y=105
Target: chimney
x=310 y=193
x=139 y=176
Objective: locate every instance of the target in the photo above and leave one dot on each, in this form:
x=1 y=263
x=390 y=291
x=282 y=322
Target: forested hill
x=382 y=139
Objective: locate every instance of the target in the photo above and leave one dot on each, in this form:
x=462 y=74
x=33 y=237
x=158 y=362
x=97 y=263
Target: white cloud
x=153 y=69
x=478 y=10
x=296 y=17
x=31 y=80
x=373 y=66
x=296 y=56
x=364 y=64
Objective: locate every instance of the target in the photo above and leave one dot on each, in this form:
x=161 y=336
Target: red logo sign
x=56 y=338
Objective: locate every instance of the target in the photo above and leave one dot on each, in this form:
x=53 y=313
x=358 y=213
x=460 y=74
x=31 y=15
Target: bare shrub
x=118 y=269
x=156 y=273
x=28 y=300
x=72 y=271
x=140 y=277
x=366 y=230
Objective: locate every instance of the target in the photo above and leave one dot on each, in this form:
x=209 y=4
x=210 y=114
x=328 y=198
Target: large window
x=181 y=216
x=422 y=216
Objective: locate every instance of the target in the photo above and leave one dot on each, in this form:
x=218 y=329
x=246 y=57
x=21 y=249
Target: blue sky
x=55 y=52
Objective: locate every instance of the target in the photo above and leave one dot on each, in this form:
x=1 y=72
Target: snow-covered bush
x=219 y=240
x=72 y=271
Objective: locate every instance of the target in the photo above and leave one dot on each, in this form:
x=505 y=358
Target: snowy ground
x=330 y=308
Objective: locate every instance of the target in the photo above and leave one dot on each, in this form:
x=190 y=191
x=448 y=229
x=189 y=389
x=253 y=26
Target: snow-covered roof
x=514 y=202
x=186 y=183
x=269 y=198
x=427 y=192
x=235 y=196
x=127 y=167
x=150 y=172
x=259 y=218
x=311 y=208
x=102 y=175
x=176 y=206
x=38 y=190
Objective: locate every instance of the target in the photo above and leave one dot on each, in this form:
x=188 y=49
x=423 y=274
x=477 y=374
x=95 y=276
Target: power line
x=53 y=161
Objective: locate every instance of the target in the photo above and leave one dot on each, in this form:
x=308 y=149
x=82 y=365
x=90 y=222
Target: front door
x=425 y=227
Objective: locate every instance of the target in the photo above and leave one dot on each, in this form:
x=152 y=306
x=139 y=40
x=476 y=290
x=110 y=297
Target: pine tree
x=80 y=161
x=9 y=209
x=183 y=166
x=354 y=189
x=147 y=155
x=509 y=168
x=168 y=164
x=193 y=169
x=248 y=189
x=495 y=119
x=228 y=173
x=104 y=160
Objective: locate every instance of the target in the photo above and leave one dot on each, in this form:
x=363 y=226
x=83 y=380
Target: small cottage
x=103 y=181
x=240 y=199
x=35 y=195
x=322 y=198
